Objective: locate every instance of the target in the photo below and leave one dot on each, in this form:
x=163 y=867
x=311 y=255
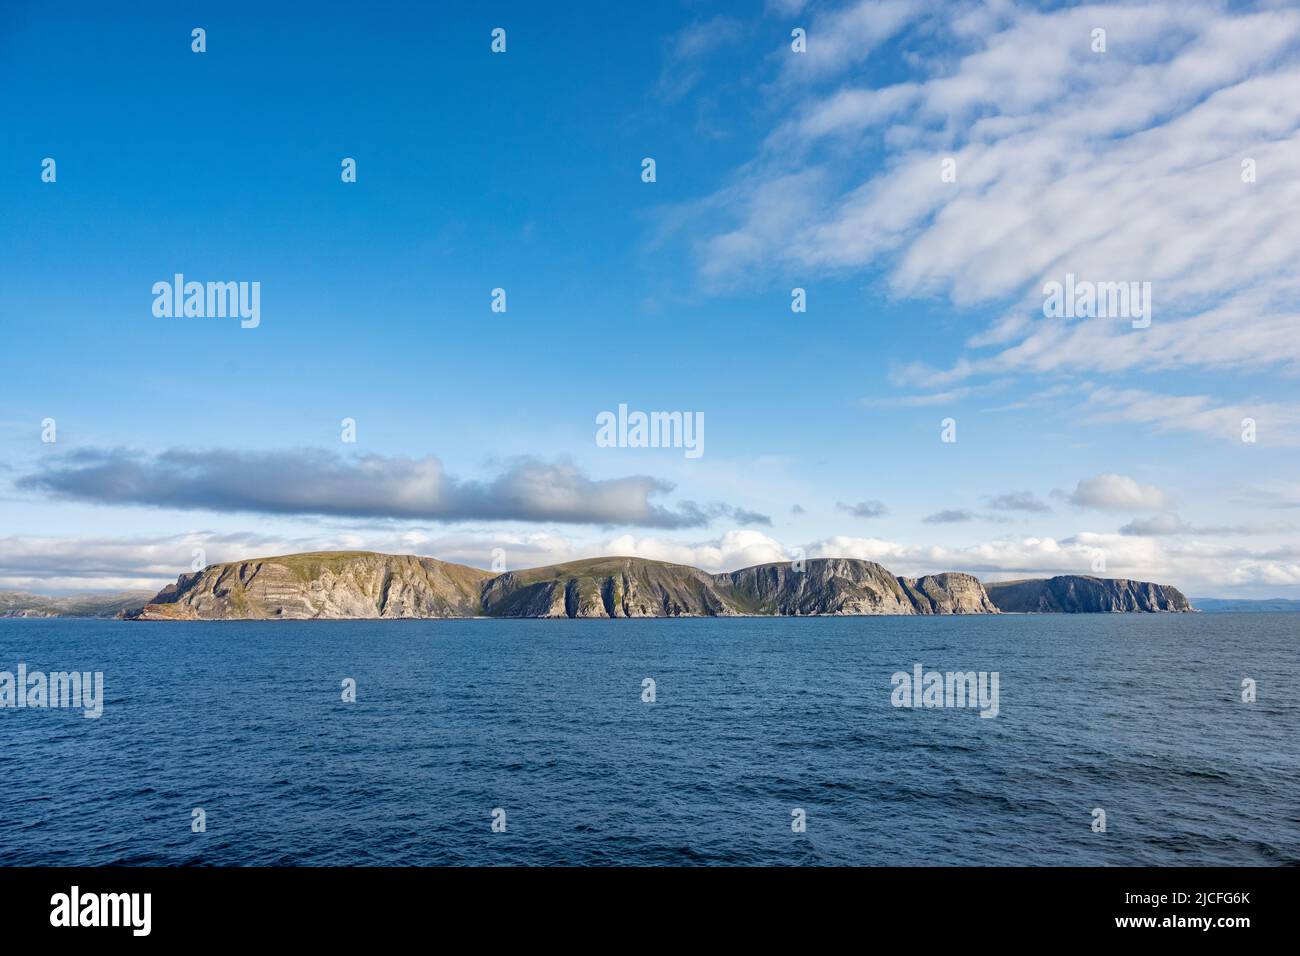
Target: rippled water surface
x=1139 y=715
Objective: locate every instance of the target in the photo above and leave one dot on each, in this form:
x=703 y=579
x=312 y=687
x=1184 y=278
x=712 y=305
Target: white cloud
x=735 y=549
x=307 y=481
x=1122 y=166
x=44 y=563
x=840 y=38
x=47 y=564
x=1111 y=492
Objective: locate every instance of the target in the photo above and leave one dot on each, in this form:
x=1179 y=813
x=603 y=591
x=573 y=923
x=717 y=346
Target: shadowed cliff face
x=1076 y=593
x=826 y=586
x=365 y=585
x=608 y=587
x=846 y=586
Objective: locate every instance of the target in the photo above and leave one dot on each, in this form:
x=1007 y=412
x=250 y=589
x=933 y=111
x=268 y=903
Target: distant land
x=368 y=585
x=1244 y=606
x=23 y=604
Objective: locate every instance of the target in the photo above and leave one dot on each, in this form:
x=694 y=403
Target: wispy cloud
x=946 y=397
x=1019 y=501
x=949 y=516
x=1123 y=166
x=842 y=37
x=1273 y=495
x=1169 y=523
x=863 y=509
x=686 y=49
x=1164 y=523
x=1269 y=423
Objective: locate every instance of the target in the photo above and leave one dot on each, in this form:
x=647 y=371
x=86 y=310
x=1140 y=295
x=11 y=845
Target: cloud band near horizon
x=323 y=483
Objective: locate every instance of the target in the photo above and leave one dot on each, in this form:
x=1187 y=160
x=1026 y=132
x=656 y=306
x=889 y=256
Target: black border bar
x=947 y=906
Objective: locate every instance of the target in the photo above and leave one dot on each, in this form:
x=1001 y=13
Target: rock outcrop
x=1077 y=593
x=609 y=587
x=359 y=584
x=847 y=586
x=331 y=584
x=950 y=593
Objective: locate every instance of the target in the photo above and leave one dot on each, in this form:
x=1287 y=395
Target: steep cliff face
x=950 y=593
x=1076 y=593
x=824 y=586
x=846 y=586
x=358 y=584
x=607 y=587
x=336 y=584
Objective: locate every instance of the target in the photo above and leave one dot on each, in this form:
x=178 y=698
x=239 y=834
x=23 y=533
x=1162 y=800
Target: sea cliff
x=359 y=584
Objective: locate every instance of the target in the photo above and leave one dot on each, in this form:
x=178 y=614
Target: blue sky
x=1076 y=439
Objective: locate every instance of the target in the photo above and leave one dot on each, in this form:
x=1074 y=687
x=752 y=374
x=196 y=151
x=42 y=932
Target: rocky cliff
x=846 y=586
x=366 y=585
x=949 y=593
x=358 y=584
x=332 y=584
x=609 y=587
x=1077 y=593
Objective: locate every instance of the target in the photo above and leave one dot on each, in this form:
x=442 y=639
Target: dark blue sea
x=1139 y=715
